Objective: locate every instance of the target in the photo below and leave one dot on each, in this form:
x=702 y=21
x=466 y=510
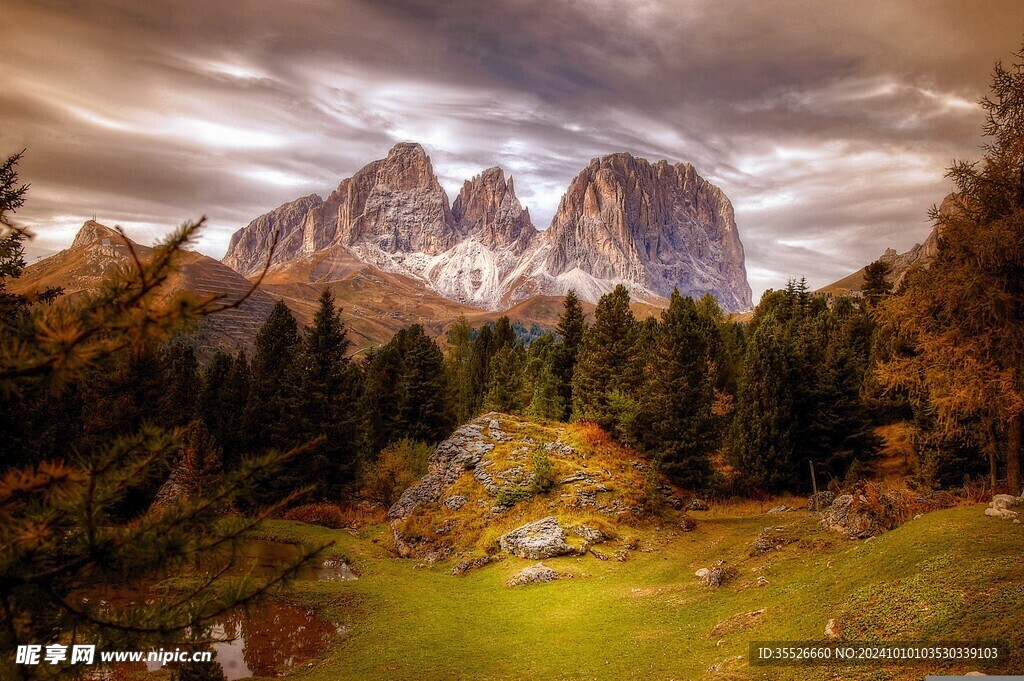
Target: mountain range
x=395 y=252
x=653 y=227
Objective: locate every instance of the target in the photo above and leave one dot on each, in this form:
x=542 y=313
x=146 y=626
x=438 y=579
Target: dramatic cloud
x=828 y=124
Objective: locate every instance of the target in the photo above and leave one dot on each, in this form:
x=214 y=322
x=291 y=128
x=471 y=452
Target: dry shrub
x=592 y=434
x=397 y=467
x=896 y=502
x=325 y=515
x=363 y=513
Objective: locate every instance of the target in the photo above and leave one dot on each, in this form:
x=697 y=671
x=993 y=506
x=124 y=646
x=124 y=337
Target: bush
x=398 y=466
x=543 y=473
x=326 y=515
x=510 y=496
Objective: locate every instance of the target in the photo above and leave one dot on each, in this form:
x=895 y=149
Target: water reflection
x=268 y=639
x=262 y=558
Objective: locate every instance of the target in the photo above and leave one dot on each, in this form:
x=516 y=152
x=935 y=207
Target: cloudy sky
x=828 y=124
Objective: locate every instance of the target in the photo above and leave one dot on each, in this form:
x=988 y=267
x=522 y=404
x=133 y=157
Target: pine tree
x=458 y=362
x=484 y=348
x=505 y=383
x=181 y=374
x=761 y=444
x=324 y=403
x=543 y=385
x=425 y=412
x=676 y=422
x=608 y=373
x=268 y=417
x=876 y=281
x=571 y=328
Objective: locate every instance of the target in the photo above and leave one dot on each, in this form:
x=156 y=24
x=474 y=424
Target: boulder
x=543 y=538
x=851 y=516
x=1001 y=513
x=781 y=508
x=696 y=505
x=687 y=524
x=591 y=535
x=538 y=573
x=1004 y=501
x=719 y=575
x=820 y=501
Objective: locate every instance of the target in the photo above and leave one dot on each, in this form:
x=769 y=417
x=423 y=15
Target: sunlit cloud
x=829 y=134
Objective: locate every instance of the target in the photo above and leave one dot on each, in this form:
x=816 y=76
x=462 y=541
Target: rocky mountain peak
x=249 y=246
x=395 y=205
x=487 y=206
x=93 y=233
x=652 y=226
x=656 y=227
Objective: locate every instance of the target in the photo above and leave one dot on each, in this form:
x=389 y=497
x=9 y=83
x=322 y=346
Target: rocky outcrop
x=653 y=227
x=543 y=538
x=481 y=477
x=461 y=452
x=850 y=515
x=250 y=246
x=487 y=209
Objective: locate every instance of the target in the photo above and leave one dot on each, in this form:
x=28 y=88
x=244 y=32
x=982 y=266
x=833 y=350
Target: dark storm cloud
x=827 y=124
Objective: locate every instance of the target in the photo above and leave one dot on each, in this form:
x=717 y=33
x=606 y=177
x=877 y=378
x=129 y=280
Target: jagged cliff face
x=248 y=250
x=654 y=227
x=623 y=220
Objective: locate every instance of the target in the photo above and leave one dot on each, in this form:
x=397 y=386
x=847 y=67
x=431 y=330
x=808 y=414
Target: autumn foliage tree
x=961 y=321
x=60 y=532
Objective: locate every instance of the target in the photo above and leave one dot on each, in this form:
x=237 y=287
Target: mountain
x=97 y=248
x=653 y=227
x=921 y=255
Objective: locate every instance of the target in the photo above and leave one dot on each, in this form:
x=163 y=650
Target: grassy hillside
x=951 y=574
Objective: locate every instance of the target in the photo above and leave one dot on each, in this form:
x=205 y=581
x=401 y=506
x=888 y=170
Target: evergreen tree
x=458 y=363
x=424 y=409
x=484 y=348
x=608 y=373
x=761 y=445
x=571 y=328
x=268 y=417
x=544 y=386
x=676 y=422
x=505 y=383
x=324 y=403
x=181 y=372
x=876 y=281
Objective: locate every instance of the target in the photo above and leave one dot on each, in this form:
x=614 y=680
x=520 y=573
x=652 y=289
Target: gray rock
x=696 y=505
x=455 y=502
x=821 y=501
x=850 y=516
x=591 y=535
x=538 y=573
x=543 y=538
x=719 y=575
x=1001 y=513
x=1004 y=501
x=464 y=566
x=781 y=508
x=687 y=524
x=772 y=539
x=460 y=452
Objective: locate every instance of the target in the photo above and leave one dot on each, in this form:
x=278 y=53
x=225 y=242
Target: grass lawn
x=949 y=575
